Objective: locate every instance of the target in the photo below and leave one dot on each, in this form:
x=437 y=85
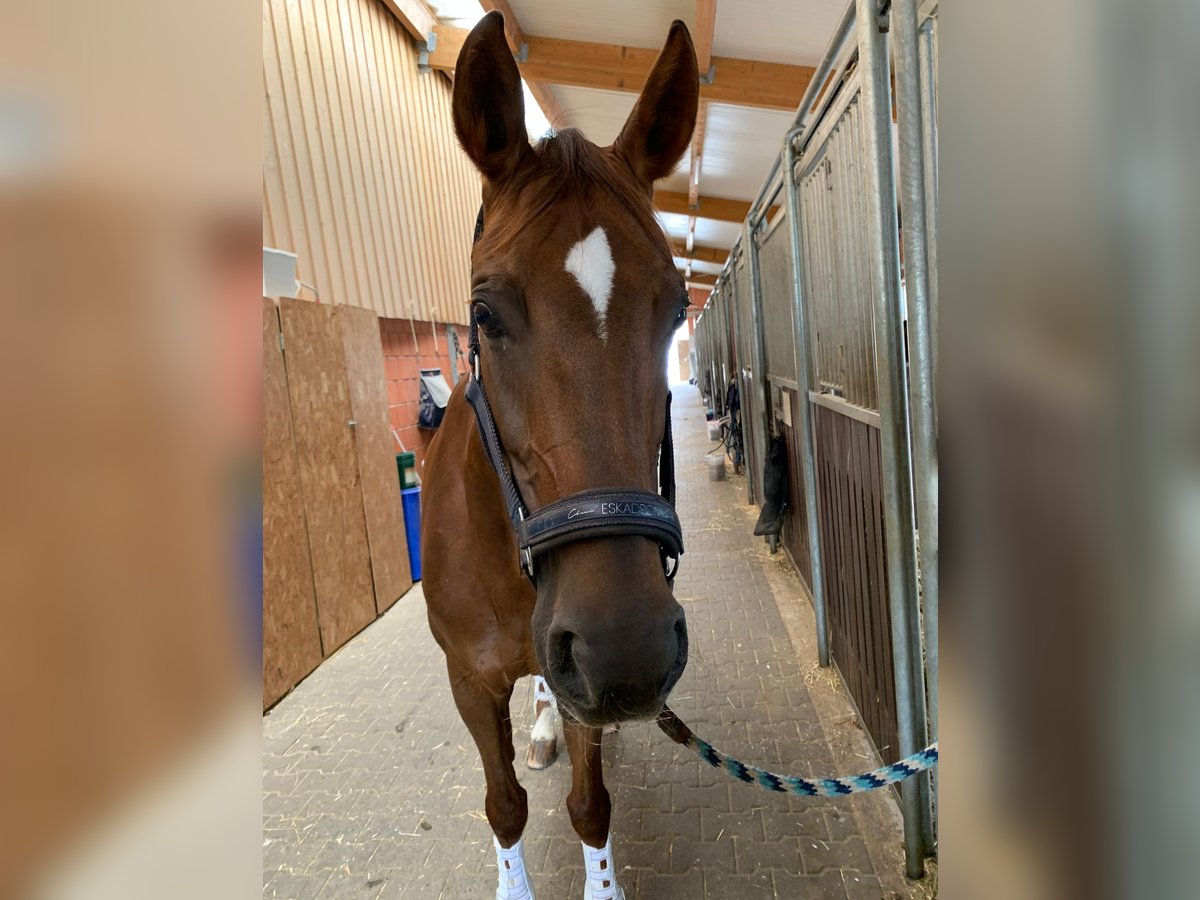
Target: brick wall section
x=402 y=363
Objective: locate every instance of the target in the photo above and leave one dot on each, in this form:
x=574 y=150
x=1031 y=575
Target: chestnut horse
x=576 y=297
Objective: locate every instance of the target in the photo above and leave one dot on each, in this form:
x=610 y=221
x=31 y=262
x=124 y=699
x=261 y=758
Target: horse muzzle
x=624 y=672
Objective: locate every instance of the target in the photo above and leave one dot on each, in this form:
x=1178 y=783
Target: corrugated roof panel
x=739 y=148
x=783 y=31
x=598 y=114
x=710 y=233
x=631 y=23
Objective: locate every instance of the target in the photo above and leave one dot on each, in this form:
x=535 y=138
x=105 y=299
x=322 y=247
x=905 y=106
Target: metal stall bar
x=927 y=51
x=911 y=167
x=712 y=321
x=804 y=386
x=734 y=302
x=723 y=318
x=862 y=270
x=761 y=408
x=751 y=372
x=893 y=413
x=842 y=33
x=710 y=353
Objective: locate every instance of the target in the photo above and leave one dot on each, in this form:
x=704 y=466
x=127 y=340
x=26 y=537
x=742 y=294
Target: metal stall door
x=845 y=412
x=729 y=367
x=749 y=378
x=724 y=366
x=779 y=334
x=712 y=324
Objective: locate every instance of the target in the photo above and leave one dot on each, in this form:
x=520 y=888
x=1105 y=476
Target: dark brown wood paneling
x=291 y=634
x=376 y=458
x=850 y=510
x=333 y=500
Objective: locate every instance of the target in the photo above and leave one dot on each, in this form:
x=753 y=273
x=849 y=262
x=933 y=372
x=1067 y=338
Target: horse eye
x=484 y=317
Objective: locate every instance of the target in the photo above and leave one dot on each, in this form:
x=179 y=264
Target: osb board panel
x=337 y=530
x=376 y=456
x=291 y=635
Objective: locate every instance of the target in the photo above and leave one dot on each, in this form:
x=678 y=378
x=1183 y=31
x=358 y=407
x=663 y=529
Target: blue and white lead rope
x=674 y=728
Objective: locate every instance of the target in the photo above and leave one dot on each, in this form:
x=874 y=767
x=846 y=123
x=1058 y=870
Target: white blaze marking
x=591 y=262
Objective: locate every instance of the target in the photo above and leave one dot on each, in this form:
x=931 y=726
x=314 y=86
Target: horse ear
x=489 y=104
x=659 y=129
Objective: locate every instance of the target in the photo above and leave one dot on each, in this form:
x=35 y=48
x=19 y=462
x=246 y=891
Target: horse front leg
x=591 y=811
x=486 y=715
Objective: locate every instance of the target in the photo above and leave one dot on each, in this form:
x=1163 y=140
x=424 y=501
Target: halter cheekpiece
x=592 y=513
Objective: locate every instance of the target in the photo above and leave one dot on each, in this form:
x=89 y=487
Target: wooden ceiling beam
x=700 y=254
x=702 y=39
x=518 y=43
x=699 y=280
x=720 y=209
x=415 y=15
x=611 y=67
x=697 y=160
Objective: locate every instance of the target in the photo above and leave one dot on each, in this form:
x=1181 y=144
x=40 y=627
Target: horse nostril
x=562 y=656
x=566 y=649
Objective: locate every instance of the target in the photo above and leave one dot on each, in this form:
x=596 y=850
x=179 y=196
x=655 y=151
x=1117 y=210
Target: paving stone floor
x=373 y=788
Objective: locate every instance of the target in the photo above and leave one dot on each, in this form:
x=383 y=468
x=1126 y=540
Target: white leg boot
x=514 y=880
x=601 y=879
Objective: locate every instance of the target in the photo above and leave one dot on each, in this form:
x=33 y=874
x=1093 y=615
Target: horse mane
x=565 y=167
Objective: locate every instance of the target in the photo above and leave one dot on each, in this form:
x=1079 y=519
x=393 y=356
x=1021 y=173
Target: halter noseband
x=593 y=513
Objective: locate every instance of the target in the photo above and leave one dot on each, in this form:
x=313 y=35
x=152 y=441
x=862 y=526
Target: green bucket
x=406 y=465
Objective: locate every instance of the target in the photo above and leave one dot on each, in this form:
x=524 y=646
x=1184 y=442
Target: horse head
x=576 y=297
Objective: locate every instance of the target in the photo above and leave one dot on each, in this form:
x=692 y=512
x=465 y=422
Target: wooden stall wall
x=376 y=456
x=850 y=502
x=291 y=635
x=334 y=548
x=362 y=176
x=329 y=476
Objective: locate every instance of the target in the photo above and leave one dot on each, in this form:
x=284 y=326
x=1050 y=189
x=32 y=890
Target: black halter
x=598 y=512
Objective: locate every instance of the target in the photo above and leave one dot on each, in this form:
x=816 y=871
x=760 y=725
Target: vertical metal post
x=723 y=319
x=808 y=458
x=762 y=392
x=710 y=331
x=883 y=244
x=743 y=319
x=917 y=276
x=927 y=52
x=737 y=358
x=710 y=337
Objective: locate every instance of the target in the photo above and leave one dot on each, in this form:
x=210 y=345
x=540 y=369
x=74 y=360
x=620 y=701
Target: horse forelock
x=565 y=169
